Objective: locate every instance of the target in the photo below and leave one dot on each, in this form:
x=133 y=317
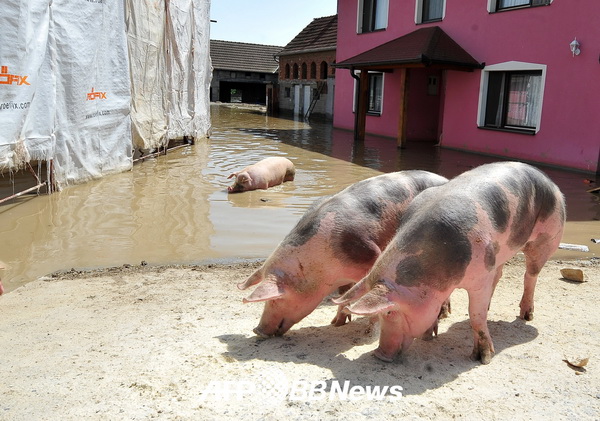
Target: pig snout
x=273 y=322
x=240 y=183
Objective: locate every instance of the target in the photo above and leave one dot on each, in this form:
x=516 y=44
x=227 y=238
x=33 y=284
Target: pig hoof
x=341 y=320
x=528 y=316
x=383 y=357
x=260 y=333
x=483 y=355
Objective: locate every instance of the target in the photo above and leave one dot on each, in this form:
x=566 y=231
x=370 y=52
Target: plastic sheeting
x=169 y=38
x=84 y=82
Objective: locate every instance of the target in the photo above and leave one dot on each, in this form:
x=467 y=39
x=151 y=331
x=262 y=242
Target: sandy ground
x=136 y=343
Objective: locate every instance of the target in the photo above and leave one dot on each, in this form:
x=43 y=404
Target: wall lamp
x=575 y=47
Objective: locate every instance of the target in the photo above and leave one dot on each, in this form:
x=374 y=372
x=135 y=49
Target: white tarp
x=146 y=41
x=84 y=82
x=89 y=57
x=26 y=98
x=169 y=38
x=189 y=68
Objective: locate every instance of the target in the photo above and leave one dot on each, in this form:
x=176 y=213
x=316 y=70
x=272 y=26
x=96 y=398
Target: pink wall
x=569 y=133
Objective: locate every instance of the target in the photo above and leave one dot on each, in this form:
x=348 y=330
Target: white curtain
x=523 y=100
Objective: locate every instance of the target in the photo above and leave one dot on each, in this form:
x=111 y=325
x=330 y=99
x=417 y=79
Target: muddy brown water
x=175 y=208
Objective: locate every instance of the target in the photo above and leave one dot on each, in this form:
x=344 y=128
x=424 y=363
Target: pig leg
x=342 y=316
x=496 y=280
x=444 y=312
x=537 y=253
x=479 y=302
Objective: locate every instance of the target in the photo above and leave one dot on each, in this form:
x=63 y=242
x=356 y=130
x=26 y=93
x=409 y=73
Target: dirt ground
x=176 y=343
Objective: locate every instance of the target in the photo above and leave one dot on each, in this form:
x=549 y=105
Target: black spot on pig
x=307 y=227
x=536 y=200
x=495 y=203
x=422 y=180
x=438 y=246
x=354 y=246
x=491 y=251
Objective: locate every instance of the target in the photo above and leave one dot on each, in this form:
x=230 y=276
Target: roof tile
x=241 y=56
x=320 y=34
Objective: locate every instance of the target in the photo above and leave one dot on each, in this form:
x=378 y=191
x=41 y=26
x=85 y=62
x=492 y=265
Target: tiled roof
x=426 y=46
x=241 y=56
x=319 y=35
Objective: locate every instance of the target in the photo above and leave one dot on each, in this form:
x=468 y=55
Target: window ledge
x=525 y=6
x=429 y=21
x=530 y=132
x=370 y=32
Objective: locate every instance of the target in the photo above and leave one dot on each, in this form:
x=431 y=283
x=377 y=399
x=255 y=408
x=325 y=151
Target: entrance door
x=307 y=90
x=297 y=109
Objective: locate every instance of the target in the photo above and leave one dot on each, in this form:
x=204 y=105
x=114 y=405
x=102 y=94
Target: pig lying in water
x=335 y=242
x=264 y=174
x=459 y=235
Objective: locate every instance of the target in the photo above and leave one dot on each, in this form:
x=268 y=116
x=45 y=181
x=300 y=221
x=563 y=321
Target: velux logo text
x=95 y=95
x=8 y=79
x=273 y=386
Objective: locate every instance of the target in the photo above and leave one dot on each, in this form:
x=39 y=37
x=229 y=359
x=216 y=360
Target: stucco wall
x=569 y=132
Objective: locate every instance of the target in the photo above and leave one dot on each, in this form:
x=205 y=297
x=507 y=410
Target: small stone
x=572 y=274
x=577 y=361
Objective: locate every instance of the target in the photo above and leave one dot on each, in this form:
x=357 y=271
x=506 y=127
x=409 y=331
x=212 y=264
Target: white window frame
x=419 y=11
x=491 y=6
x=384 y=7
x=510 y=66
x=357 y=73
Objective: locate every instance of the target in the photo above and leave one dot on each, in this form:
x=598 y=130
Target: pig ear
x=254 y=279
x=268 y=289
x=352 y=294
x=374 y=302
x=232 y=175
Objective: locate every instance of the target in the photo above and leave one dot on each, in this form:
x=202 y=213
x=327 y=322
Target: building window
x=323 y=70
x=287 y=92
x=375 y=93
x=499 y=5
x=313 y=70
x=287 y=71
x=304 y=71
x=295 y=74
x=429 y=10
x=372 y=15
x=511 y=97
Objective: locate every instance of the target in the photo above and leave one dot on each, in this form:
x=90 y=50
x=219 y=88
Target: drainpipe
x=356 y=99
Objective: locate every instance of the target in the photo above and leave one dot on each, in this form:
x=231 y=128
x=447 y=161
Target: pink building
x=517 y=79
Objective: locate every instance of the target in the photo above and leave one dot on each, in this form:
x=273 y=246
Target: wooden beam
x=402 y=120
x=361 y=107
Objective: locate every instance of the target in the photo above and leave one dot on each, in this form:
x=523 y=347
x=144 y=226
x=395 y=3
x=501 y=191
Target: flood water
x=176 y=209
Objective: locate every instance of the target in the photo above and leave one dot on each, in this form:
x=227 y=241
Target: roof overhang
x=308 y=51
x=427 y=47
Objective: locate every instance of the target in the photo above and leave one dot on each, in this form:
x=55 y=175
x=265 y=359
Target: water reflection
x=175 y=208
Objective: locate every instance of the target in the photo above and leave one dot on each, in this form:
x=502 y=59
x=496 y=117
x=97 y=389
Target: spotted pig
x=459 y=235
x=335 y=243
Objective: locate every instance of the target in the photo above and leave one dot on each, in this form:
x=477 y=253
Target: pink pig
x=459 y=235
x=334 y=244
x=264 y=174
